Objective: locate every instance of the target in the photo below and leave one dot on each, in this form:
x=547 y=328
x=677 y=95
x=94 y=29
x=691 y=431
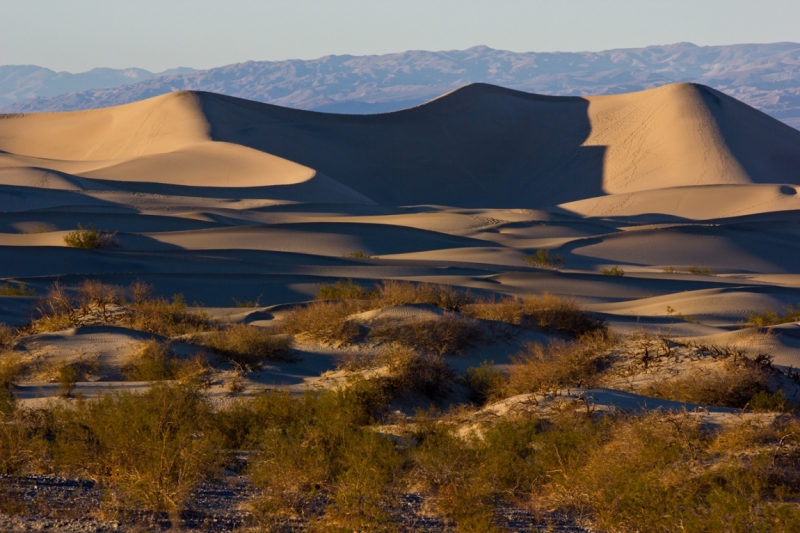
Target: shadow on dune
x=479 y=146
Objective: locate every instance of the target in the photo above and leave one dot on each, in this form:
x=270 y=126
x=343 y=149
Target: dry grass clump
x=450 y=334
x=548 y=312
x=393 y=292
x=734 y=385
x=167 y=318
x=246 y=345
x=559 y=364
x=88 y=238
x=323 y=321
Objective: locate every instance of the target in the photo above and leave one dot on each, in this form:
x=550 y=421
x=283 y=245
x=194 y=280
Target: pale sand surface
x=219 y=198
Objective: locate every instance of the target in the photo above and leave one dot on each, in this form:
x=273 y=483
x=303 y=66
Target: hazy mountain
x=26 y=82
x=766 y=76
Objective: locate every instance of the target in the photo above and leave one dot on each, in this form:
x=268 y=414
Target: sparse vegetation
x=67 y=378
x=768 y=318
x=358 y=255
x=546 y=311
x=166 y=318
x=323 y=321
x=613 y=271
x=559 y=364
x=20 y=289
x=246 y=345
x=542 y=259
x=7 y=337
x=732 y=386
x=343 y=289
x=246 y=303
x=447 y=335
x=485 y=382
x=393 y=292
x=153 y=361
x=88 y=238
x=694 y=269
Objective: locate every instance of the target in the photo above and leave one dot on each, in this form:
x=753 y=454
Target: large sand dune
x=221 y=198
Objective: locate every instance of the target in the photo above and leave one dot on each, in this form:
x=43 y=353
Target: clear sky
x=77 y=35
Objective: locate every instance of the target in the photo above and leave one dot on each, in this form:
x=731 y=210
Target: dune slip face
x=269 y=247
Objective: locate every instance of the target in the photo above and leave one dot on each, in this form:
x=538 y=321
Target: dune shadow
x=479 y=146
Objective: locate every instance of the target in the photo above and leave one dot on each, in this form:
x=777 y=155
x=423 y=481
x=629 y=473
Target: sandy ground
x=223 y=199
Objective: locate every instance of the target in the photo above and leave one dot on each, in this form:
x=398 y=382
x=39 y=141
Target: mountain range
x=765 y=76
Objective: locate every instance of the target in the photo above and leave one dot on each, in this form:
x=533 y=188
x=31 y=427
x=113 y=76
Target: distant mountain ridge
x=765 y=76
x=19 y=83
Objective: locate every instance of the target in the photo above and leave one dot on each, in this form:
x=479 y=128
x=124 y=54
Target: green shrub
x=150 y=449
x=772 y=318
x=341 y=290
x=89 y=238
x=20 y=290
x=700 y=271
x=485 y=382
x=411 y=371
x=320 y=445
x=247 y=345
x=613 y=271
x=765 y=401
x=543 y=259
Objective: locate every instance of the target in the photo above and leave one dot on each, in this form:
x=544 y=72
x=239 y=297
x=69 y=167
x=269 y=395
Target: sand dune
x=222 y=199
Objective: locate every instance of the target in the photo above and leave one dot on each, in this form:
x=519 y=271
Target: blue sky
x=77 y=35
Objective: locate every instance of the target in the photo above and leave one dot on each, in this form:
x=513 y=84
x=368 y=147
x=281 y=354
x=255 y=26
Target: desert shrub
x=448 y=335
x=771 y=318
x=358 y=255
x=89 y=238
x=67 y=379
x=655 y=473
x=485 y=382
x=613 y=271
x=247 y=345
x=547 y=368
x=560 y=315
x=150 y=449
x=467 y=475
x=94 y=296
x=22 y=448
x=765 y=401
x=554 y=314
x=11 y=367
x=543 y=259
x=344 y=289
x=319 y=445
x=411 y=371
x=20 y=290
x=700 y=271
x=165 y=318
x=7 y=336
x=153 y=361
x=393 y=292
x=246 y=303
x=57 y=310
x=323 y=321
x=734 y=385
